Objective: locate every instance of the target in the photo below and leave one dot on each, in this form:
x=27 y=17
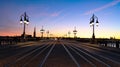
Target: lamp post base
x=93 y=39
x=23 y=36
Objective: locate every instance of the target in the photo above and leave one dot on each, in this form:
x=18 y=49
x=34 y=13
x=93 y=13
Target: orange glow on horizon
x=61 y=35
x=58 y=33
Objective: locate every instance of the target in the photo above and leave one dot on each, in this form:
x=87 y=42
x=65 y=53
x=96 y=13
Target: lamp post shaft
x=75 y=35
x=41 y=34
x=93 y=36
x=75 y=32
x=68 y=34
x=47 y=35
x=24 y=30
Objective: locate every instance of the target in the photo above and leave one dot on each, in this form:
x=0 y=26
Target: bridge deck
x=58 y=53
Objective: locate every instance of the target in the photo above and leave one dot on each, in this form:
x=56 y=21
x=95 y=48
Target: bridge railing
x=102 y=42
x=109 y=43
x=15 y=40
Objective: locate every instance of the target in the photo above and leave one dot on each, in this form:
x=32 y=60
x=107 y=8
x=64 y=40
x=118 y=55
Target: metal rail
x=24 y=65
x=42 y=63
x=24 y=56
x=78 y=65
x=91 y=56
x=72 y=48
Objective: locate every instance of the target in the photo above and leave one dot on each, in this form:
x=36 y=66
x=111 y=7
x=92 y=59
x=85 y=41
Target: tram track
x=84 y=59
x=95 y=52
x=21 y=60
x=61 y=53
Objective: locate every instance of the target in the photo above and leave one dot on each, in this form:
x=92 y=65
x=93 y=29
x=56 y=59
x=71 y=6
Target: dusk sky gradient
x=61 y=16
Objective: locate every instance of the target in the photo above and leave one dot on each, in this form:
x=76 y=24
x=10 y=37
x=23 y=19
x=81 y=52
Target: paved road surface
x=58 y=53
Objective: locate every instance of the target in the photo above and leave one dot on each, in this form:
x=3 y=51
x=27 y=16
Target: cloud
x=55 y=14
x=48 y=14
x=43 y=11
x=102 y=7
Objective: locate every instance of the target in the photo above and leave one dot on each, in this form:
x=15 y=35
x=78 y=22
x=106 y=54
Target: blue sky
x=61 y=16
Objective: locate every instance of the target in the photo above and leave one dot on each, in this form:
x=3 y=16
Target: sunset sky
x=61 y=16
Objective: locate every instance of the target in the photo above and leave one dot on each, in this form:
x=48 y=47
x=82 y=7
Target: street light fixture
x=24 y=19
x=93 y=22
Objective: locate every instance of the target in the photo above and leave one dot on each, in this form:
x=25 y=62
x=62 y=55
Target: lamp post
x=51 y=35
x=69 y=34
x=93 y=22
x=75 y=32
x=42 y=31
x=24 y=19
x=47 y=34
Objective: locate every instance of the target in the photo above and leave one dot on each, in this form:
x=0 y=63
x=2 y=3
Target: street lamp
x=42 y=31
x=75 y=32
x=93 y=22
x=47 y=34
x=69 y=34
x=24 y=19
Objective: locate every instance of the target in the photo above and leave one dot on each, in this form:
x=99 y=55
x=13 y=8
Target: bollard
x=105 y=43
x=0 y=42
x=117 y=44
